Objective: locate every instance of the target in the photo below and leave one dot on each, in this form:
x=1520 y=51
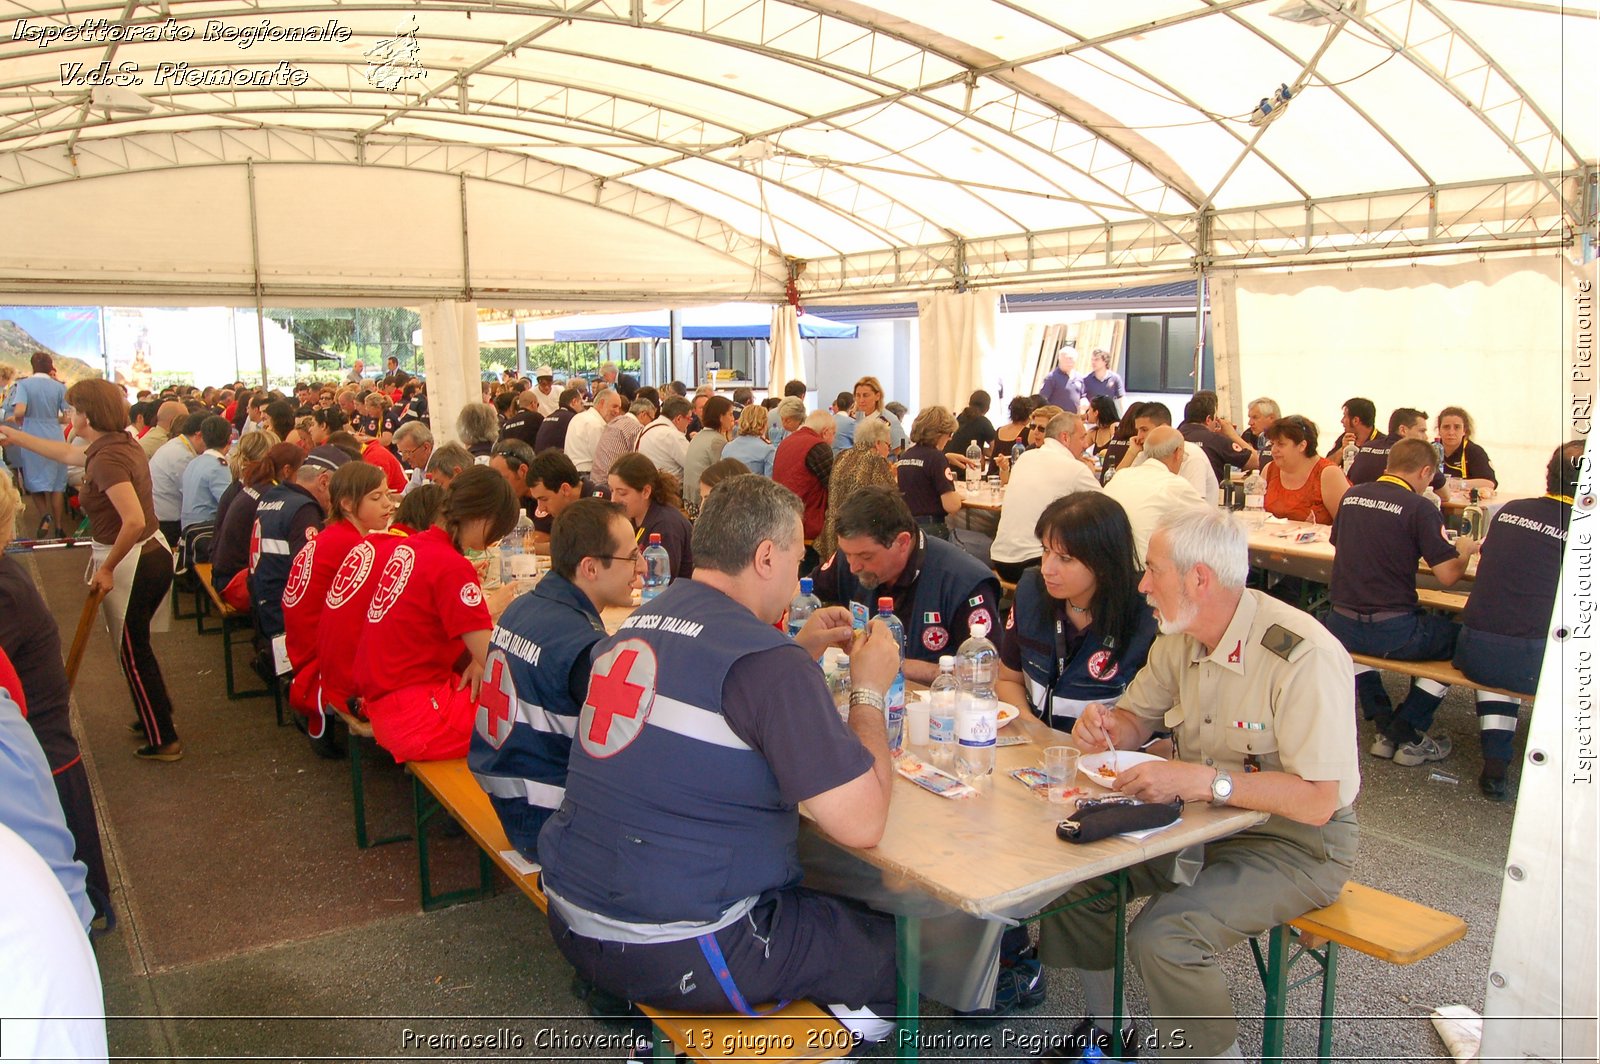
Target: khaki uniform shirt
x=1276 y=694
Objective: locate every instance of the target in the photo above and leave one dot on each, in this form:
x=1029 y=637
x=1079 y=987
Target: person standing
x=1505 y=628
x=538 y=668
x=1258 y=697
x=1101 y=381
x=39 y=408
x=869 y=403
x=1063 y=386
x=130 y=563
x=1380 y=532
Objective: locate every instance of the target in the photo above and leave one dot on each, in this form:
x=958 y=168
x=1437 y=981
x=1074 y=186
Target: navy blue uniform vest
x=1097 y=671
x=274 y=518
x=669 y=816
x=526 y=714
x=945 y=585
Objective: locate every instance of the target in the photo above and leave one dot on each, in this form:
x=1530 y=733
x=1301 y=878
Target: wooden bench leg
x=356 y=751
x=425 y=805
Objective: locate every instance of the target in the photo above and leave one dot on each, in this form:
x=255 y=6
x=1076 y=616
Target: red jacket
x=377 y=454
x=789 y=469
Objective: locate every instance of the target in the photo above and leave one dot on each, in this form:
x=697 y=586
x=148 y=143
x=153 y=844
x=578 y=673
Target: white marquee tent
x=1395 y=198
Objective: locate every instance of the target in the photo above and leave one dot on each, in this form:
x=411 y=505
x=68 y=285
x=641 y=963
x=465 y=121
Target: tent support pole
x=255 y=266
x=1203 y=232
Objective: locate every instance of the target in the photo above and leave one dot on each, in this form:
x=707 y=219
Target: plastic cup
x=1061 y=767
x=917 y=723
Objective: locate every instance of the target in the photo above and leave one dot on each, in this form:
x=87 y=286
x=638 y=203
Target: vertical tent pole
x=255 y=260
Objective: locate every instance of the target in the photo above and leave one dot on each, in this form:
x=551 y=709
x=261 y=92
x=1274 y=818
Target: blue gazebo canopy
x=811 y=328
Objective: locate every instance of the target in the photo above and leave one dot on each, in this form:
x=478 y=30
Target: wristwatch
x=1221 y=787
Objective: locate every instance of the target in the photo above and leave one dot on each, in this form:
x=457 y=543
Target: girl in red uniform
x=421 y=657
x=358 y=501
x=344 y=609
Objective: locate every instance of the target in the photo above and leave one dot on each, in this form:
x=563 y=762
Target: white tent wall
x=1486 y=336
x=883 y=349
x=450 y=353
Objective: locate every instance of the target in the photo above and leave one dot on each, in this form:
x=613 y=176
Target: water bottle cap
x=947 y=663
x=655 y=539
x=805 y=585
x=886 y=604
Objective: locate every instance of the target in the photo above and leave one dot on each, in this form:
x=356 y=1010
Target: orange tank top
x=1300 y=504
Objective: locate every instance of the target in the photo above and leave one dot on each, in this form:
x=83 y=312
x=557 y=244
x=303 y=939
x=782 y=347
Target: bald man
x=1153 y=489
x=170 y=411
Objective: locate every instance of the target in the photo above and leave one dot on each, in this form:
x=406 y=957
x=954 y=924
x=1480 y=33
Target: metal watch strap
x=864 y=696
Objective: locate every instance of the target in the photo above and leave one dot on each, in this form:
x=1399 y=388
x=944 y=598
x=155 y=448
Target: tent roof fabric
x=896 y=145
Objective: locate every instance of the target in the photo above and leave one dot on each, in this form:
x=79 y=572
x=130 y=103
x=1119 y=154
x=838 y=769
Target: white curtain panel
x=450 y=356
x=785 y=357
x=957 y=343
x=1486 y=336
x=1222 y=299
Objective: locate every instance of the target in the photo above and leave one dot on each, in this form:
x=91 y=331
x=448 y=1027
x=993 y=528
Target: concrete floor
x=253 y=927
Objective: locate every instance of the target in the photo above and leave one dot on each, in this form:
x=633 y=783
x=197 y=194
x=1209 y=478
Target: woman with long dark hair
x=427 y=615
x=1117 y=447
x=1103 y=421
x=131 y=562
x=1079 y=628
x=653 y=502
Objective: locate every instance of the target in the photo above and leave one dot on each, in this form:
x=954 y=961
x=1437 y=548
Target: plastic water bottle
x=1018 y=449
x=943 y=696
x=1255 y=493
x=974 y=465
x=978 y=712
x=1348 y=456
x=895 y=699
x=510 y=550
x=1438 y=453
x=657 y=569
x=802 y=607
x=841 y=687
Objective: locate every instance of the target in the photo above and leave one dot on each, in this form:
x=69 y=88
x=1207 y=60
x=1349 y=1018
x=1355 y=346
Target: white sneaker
x=1422 y=751
x=1382 y=746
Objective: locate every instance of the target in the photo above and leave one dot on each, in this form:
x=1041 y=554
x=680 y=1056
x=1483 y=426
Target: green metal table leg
x=908 y=986
x=358 y=790
x=1119 y=961
x=227 y=657
x=1330 y=970
x=425 y=806
x=1275 y=981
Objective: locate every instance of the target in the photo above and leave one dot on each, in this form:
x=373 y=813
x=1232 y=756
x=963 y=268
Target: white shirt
x=1196 y=469
x=1039 y=478
x=548 y=401
x=166 y=477
x=582 y=436
x=1149 y=491
x=664 y=444
x=54 y=970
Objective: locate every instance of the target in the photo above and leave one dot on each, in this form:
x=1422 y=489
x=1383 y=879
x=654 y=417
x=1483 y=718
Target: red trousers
x=427 y=722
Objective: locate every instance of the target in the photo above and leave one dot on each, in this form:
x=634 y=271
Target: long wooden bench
x=232 y=621
x=799 y=1032
x=1369 y=921
x=1438 y=671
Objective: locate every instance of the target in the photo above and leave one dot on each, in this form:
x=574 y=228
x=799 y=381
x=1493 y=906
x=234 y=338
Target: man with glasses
x=414 y=444
x=538 y=667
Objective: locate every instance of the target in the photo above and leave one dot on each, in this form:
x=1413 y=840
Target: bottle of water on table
x=657 y=569
x=803 y=606
x=943 y=696
x=974 y=465
x=895 y=699
x=978 y=712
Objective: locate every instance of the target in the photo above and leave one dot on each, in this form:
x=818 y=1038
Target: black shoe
x=1493 y=783
x=603 y=1005
x=137 y=727
x=1017 y=986
x=1071 y=1048
x=172 y=751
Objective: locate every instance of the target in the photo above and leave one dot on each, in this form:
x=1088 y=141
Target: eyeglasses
x=631 y=559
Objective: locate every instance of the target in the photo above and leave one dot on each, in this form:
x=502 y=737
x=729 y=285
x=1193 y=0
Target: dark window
x=1161 y=354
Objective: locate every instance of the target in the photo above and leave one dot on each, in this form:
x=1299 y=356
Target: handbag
x=1098 y=820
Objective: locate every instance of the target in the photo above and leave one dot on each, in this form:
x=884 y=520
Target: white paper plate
x=1090 y=764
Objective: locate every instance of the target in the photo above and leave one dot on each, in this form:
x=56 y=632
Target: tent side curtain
x=1485 y=336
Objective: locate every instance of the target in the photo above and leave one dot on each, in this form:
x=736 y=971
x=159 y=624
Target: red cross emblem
x=495 y=697
x=300 y=574
x=621 y=690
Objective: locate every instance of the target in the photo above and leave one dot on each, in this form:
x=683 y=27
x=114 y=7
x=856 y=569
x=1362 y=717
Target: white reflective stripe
x=608 y=929
x=543 y=795
x=1069 y=707
x=1433 y=687
x=693 y=722
x=1495 y=722
x=542 y=720
x=1496 y=696
x=1037 y=694
x=275 y=546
